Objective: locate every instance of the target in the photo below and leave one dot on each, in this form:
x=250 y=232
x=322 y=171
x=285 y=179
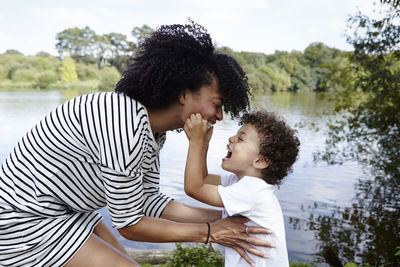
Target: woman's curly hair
x=178 y=57
x=278 y=143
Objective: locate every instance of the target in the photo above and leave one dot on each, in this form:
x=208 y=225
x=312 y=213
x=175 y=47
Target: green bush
x=46 y=78
x=23 y=75
x=301 y=264
x=87 y=72
x=68 y=70
x=81 y=86
x=44 y=63
x=195 y=255
x=108 y=78
x=10 y=85
x=11 y=63
x=3 y=73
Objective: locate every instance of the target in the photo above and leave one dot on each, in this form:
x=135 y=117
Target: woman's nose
x=219 y=114
x=231 y=139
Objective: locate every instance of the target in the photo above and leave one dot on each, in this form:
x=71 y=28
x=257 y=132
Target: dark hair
x=278 y=143
x=178 y=57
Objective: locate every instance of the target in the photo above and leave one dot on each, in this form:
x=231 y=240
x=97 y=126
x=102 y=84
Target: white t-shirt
x=255 y=199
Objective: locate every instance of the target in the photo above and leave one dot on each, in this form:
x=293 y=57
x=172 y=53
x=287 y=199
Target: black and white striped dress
x=93 y=151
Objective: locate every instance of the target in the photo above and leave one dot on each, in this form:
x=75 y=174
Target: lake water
x=316 y=186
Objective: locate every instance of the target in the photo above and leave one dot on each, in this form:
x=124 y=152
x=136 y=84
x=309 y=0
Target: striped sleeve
x=154 y=200
x=118 y=131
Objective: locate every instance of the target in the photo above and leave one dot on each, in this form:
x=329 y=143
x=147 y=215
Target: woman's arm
x=178 y=212
x=151 y=229
x=230 y=232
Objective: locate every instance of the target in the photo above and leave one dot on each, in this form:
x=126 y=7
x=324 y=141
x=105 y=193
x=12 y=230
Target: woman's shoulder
x=114 y=100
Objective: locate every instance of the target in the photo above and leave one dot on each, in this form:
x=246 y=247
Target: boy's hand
x=197 y=130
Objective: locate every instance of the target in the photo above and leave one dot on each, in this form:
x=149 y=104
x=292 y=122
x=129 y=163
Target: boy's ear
x=261 y=163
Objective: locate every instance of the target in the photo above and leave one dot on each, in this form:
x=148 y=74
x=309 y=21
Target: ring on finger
x=247 y=230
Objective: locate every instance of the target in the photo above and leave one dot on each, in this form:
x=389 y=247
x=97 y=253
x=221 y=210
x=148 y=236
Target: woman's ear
x=183 y=96
x=261 y=163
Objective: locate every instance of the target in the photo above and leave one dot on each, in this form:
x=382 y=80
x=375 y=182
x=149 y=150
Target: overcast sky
x=31 y=26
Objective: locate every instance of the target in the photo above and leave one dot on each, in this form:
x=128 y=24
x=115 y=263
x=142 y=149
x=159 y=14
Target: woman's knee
x=105 y=232
x=97 y=252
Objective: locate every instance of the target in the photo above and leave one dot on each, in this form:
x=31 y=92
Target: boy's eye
x=240 y=139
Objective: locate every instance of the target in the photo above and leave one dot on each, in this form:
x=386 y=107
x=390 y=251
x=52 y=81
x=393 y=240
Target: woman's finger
x=258 y=230
x=254 y=240
x=244 y=255
x=250 y=249
x=259 y=242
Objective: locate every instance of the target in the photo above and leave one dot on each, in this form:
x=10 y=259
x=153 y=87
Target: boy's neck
x=253 y=173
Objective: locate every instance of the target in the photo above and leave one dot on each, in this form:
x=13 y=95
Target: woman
x=102 y=150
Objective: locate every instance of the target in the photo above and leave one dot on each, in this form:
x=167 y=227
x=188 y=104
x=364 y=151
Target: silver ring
x=246 y=230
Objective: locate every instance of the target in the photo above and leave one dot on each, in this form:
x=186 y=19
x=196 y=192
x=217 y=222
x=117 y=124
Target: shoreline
x=152 y=256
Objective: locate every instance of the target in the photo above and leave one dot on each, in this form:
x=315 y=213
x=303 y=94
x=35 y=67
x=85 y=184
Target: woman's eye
x=240 y=139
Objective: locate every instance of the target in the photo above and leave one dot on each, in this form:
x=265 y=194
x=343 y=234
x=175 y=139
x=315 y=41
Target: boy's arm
x=209 y=178
x=212 y=179
x=198 y=134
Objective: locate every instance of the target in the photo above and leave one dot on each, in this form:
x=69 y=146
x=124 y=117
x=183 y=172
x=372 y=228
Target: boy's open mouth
x=229 y=154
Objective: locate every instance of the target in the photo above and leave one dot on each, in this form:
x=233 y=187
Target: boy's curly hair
x=178 y=57
x=278 y=143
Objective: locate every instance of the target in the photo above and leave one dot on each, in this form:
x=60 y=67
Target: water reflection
x=366 y=230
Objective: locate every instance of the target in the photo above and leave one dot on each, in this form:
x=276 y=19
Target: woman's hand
x=197 y=129
x=231 y=232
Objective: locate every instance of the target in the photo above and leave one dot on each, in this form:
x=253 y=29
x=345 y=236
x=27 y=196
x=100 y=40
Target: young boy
x=259 y=156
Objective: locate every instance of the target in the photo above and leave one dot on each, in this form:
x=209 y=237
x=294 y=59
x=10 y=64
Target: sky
x=30 y=26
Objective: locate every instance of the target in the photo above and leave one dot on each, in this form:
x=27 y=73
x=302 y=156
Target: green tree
x=255 y=59
x=78 y=43
x=43 y=54
x=295 y=65
x=370 y=101
x=368 y=131
x=102 y=49
x=141 y=33
x=279 y=79
x=12 y=52
x=319 y=56
x=68 y=70
x=121 y=50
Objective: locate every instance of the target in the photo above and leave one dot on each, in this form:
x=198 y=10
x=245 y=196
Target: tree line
x=88 y=59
